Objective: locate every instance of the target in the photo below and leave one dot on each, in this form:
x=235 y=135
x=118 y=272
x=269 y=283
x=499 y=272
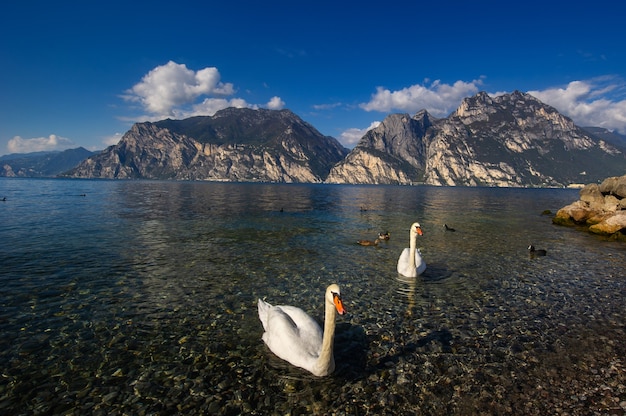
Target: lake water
x=139 y=297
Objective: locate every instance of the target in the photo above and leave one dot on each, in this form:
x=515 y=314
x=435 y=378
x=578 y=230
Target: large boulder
x=591 y=195
x=577 y=212
x=601 y=208
x=611 y=225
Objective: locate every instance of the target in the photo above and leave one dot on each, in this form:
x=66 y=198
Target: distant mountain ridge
x=236 y=144
x=41 y=164
x=510 y=140
x=611 y=137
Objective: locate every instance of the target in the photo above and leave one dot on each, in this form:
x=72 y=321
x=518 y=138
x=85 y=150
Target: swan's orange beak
x=419 y=231
x=339 y=304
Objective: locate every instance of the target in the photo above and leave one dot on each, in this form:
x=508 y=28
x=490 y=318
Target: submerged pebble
x=157 y=315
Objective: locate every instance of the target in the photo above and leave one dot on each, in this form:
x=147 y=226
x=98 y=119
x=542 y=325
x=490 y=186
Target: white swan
x=295 y=337
x=410 y=263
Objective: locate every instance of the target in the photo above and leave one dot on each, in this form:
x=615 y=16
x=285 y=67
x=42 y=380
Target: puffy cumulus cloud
x=438 y=98
x=276 y=103
x=169 y=86
x=38 y=144
x=173 y=90
x=351 y=137
x=597 y=102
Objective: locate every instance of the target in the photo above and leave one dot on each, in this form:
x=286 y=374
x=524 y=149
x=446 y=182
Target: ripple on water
x=146 y=304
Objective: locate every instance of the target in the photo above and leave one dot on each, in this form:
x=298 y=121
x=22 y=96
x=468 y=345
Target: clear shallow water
x=138 y=297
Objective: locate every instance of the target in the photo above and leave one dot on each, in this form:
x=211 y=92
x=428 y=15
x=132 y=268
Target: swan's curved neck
x=326 y=361
x=412 y=248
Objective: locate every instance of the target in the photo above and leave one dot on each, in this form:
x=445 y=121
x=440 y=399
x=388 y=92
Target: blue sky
x=77 y=73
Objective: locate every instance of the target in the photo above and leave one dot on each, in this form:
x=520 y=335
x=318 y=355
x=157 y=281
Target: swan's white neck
x=326 y=362
x=412 y=249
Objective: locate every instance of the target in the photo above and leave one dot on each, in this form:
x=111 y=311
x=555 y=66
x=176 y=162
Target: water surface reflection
x=140 y=297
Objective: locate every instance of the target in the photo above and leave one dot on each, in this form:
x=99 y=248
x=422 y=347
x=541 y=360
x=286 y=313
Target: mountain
x=509 y=140
x=41 y=164
x=235 y=144
x=611 y=137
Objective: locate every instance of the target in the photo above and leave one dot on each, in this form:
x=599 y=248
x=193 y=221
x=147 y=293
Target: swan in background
x=445 y=226
x=297 y=338
x=410 y=263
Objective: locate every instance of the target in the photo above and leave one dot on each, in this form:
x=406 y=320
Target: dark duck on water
x=536 y=252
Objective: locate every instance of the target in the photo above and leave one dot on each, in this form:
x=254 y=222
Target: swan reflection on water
x=417 y=291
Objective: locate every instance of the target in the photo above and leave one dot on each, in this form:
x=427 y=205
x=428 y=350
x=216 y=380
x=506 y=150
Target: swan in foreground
x=410 y=263
x=297 y=338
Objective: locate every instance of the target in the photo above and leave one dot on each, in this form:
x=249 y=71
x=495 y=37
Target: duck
x=410 y=263
x=368 y=242
x=292 y=335
x=536 y=252
x=445 y=226
x=384 y=236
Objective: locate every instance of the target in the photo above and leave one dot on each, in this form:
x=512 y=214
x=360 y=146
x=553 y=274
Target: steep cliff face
x=392 y=153
x=233 y=145
x=510 y=140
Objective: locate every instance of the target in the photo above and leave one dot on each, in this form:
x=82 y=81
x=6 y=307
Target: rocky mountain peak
x=509 y=140
x=236 y=144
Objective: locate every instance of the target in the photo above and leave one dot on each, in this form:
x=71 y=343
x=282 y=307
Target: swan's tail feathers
x=264 y=309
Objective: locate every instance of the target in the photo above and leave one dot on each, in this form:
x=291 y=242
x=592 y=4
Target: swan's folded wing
x=293 y=335
x=403 y=262
x=305 y=326
x=420 y=264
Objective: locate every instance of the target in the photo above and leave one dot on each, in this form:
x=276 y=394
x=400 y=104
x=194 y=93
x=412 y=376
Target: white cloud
x=597 y=102
x=351 y=137
x=210 y=106
x=173 y=90
x=276 y=103
x=169 y=86
x=38 y=144
x=439 y=99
